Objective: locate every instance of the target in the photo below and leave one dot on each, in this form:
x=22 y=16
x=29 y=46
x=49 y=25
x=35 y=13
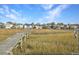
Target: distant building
x=2 y=25
x=74 y=26
x=20 y=26
x=38 y=27
x=9 y=25
x=28 y=26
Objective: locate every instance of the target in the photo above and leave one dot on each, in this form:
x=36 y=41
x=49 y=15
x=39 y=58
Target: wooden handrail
x=7 y=46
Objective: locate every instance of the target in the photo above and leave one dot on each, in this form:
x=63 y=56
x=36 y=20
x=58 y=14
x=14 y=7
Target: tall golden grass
x=5 y=33
x=47 y=41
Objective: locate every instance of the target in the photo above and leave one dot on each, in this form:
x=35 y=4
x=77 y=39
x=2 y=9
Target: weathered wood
x=7 y=46
x=76 y=34
x=21 y=47
x=24 y=44
x=16 y=43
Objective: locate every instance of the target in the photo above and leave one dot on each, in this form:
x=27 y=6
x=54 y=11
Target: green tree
x=60 y=24
x=53 y=23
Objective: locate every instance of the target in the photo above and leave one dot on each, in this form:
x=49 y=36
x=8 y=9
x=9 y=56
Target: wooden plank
x=8 y=44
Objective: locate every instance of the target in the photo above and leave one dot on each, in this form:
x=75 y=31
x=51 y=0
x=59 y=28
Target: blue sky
x=39 y=13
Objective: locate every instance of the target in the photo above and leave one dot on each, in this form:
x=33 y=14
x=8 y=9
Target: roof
x=28 y=24
x=74 y=24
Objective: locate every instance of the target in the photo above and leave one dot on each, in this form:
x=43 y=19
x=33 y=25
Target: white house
x=74 y=26
x=25 y=26
x=19 y=26
x=38 y=27
x=60 y=26
x=8 y=25
x=28 y=26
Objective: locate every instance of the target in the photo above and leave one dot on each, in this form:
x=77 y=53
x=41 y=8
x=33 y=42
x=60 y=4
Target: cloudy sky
x=39 y=13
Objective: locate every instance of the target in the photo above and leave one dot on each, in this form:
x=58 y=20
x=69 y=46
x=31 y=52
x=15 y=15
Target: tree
x=53 y=23
x=10 y=22
x=38 y=24
x=44 y=26
x=60 y=24
x=33 y=25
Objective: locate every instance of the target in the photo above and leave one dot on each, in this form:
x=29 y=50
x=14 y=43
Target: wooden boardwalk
x=9 y=43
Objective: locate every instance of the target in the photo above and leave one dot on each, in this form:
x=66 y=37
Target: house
x=20 y=26
x=38 y=26
x=32 y=26
x=2 y=25
x=66 y=26
x=28 y=26
x=59 y=26
x=55 y=27
x=9 y=25
x=74 y=26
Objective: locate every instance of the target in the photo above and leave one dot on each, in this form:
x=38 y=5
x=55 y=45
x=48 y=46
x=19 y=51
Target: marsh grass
x=46 y=42
x=5 y=33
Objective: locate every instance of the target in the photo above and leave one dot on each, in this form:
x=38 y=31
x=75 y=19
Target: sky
x=40 y=13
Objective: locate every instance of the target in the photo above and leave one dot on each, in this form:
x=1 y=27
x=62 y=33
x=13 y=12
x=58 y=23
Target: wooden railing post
x=78 y=40
x=28 y=32
x=19 y=47
x=10 y=51
x=24 y=43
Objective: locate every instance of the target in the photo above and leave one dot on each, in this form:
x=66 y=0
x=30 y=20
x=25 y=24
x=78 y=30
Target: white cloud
x=1 y=10
x=47 y=6
x=52 y=14
x=58 y=10
x=6 y=9
x=15 y=12
x=11 y=16
x=10 y=13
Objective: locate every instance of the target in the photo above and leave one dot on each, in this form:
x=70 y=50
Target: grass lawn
x=47 y=41
x=5 y=33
